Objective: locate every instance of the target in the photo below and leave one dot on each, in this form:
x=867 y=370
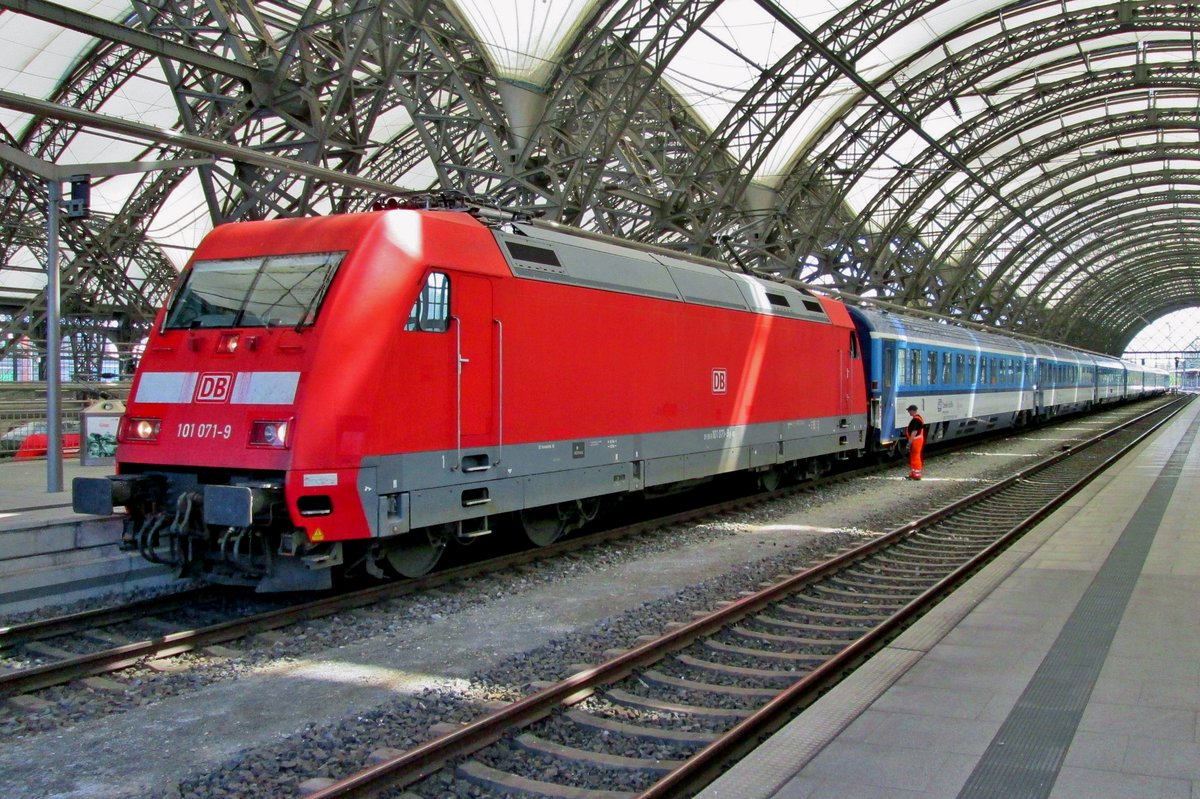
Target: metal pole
x=54 y=462
x=54 y=175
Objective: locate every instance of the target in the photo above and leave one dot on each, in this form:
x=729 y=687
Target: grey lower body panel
x=431 y=488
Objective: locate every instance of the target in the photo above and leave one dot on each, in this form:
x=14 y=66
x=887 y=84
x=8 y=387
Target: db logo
x=214 y=387
x=720 y=381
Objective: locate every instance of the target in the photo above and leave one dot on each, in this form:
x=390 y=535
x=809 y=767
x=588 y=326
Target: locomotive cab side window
x=431 y=312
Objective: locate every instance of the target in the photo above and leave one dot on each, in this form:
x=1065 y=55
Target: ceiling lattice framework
x=965 y=264
x=1078 y=221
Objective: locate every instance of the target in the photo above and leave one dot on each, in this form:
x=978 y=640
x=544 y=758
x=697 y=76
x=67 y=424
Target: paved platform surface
x=24 y=499
x=1068 y=668
x=50 y=555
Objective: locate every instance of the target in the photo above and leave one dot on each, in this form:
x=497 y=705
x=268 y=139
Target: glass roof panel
x=836 y=102
x=37 y=54
x=917 y=35
x=522 y=39
x=390 y=124
x=715 y=69
x=144 y=98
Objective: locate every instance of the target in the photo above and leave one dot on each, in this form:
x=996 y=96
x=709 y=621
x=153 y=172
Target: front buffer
x=239 y=533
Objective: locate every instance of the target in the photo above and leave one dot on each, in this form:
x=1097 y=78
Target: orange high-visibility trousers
x=915 y=463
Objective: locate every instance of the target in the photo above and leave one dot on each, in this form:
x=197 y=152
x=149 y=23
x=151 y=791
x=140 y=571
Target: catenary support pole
x=54 y=458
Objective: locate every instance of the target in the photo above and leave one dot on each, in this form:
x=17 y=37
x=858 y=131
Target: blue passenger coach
x=1066 y=381
x=967 y=381
x=963 y=381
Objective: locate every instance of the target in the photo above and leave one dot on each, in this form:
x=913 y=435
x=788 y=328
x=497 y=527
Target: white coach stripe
x=171 y=387
x=265 y=388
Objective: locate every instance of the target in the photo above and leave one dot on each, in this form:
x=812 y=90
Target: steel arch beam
x=930 y=175
x=1086 y=215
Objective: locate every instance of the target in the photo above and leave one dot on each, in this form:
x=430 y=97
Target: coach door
x=846 y=358
x=477 y=338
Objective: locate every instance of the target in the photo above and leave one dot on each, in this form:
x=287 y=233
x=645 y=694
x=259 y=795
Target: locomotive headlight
x=141 y=429
x=270 y=434
x=228 y=343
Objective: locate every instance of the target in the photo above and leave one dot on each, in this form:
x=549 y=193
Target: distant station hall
x=598 y=398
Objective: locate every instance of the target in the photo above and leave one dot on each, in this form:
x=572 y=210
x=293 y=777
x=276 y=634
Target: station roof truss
x=1032 y=166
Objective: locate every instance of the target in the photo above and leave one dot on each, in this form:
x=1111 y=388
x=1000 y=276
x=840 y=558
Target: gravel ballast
x=315 y=700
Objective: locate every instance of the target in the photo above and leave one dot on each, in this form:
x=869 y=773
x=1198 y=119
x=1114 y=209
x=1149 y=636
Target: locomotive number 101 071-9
x=204 y=430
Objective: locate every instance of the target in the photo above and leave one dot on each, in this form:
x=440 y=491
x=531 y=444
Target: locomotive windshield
x=263 y=291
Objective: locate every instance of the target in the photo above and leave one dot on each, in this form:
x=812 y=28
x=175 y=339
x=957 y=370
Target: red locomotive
x=360 y=390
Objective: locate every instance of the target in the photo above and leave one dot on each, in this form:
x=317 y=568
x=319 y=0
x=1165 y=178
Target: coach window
x=960 y=368
x=916 y=367
x=933 y=368
x=971 y=377
x=431 y=312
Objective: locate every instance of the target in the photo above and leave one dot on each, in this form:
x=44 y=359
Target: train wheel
x=769 y=479
x=416 y=554
x=545 y=525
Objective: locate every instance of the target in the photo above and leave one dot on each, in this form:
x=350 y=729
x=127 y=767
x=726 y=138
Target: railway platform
x=51 y=555
x=1069 y=667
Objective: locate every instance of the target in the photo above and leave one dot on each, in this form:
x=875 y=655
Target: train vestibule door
x=848 y=359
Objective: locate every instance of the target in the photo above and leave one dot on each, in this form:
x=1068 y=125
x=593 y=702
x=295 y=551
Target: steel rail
x=17 y=634
x=425 y=759
x=705 y=765
x=50 y=674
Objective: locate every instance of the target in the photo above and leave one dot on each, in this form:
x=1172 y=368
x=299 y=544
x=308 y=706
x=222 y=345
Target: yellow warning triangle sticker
x=318 y=535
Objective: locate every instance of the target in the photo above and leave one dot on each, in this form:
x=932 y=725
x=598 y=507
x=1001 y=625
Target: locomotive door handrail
x=458 y=377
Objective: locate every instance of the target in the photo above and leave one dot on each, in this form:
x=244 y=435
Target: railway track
x=52 y=651
x=664 y=718
x=55 y=651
